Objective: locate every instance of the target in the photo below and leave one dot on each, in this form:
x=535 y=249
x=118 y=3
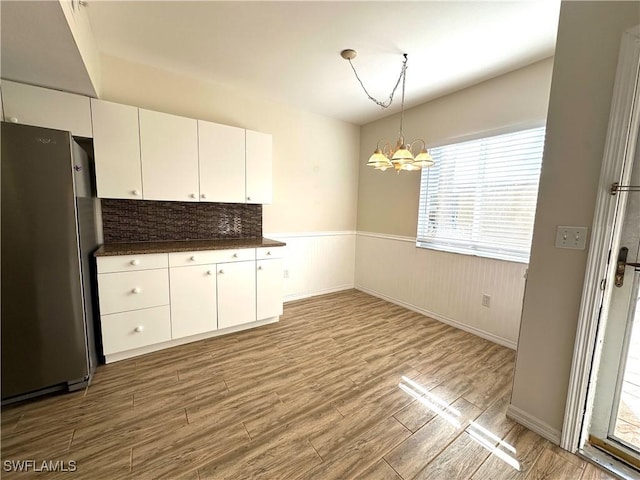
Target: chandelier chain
x=387 y=102
x=404 y=80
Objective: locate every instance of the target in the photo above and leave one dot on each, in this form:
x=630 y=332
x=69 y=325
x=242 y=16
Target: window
x=480 y=196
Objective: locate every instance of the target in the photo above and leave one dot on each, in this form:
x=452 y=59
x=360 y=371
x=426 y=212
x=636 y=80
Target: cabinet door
x=269 y=288
x=259 y=167
x=221 y=154
x=169 y=152
x=236 y=293
x=193 y=300
x=116 y=146
x=46 y=108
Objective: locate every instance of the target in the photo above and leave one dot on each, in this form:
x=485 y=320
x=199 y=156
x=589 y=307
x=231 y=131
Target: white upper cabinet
x=222 y=163
x=46 y=108
x=116 y=146
x=259 y=167
x=169 y=153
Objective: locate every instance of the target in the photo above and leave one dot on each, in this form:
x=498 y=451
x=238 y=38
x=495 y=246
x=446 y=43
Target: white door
x=236 y=293
x=615 y=421
x=169 y=152
x=259 y=167
x=606 y=321
x=193 y=300
x=221 y=153
x=116 y=147
x=269 y=284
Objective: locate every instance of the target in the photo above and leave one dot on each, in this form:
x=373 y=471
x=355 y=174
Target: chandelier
x=385 y=156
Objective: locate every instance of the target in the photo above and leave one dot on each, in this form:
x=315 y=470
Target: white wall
x=445 y=286
x=315 y=193
x=317 y=263
x=589 y=35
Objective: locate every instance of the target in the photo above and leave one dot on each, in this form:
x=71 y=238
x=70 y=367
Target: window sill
x=471 y=253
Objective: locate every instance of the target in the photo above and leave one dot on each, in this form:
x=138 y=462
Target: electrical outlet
x=486 y=300
x=286 y=273
x=571 y=237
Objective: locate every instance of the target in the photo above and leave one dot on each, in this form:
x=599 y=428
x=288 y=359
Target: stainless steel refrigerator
x=48 y=236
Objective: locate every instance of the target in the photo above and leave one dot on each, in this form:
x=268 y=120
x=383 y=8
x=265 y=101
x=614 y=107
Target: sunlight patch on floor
x=487 y=439
x=431 y=401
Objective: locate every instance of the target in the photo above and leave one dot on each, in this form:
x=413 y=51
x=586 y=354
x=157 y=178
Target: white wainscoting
x=317 y=262
x=445 y=286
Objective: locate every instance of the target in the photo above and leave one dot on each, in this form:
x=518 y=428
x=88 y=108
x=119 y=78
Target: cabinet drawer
x=126 y=263
x=182 y=259
x=128 y=330
x=269 y=252
x=123 y=291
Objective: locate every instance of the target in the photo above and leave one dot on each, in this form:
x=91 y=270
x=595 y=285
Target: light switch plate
x=571 y=237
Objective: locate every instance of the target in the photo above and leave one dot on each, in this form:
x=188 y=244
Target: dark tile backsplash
x=145 y=221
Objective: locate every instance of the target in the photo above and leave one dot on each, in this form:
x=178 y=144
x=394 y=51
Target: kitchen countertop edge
x=113 y=249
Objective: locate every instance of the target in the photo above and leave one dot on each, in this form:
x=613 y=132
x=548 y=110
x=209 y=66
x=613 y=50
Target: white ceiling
x=289 y=52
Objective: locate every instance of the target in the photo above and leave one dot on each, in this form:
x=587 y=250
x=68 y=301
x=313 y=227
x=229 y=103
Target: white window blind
x=480 y=196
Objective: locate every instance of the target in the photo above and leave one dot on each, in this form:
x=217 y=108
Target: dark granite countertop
x=111 y=249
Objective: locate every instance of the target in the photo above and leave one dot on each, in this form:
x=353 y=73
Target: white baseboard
x=449 y=321
x=300 y=296
x=534 y=424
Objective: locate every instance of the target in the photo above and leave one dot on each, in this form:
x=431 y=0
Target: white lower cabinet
x=154 y=301
x=269 y=284
x=193 y=300
x=137 y=328
x=236 y=293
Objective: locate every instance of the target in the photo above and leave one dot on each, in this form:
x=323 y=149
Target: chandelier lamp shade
x=402 y=156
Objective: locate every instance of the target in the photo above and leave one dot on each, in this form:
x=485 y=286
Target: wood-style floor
x=345 y=386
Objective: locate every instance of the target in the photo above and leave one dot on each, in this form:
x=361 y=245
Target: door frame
x=620 y=149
